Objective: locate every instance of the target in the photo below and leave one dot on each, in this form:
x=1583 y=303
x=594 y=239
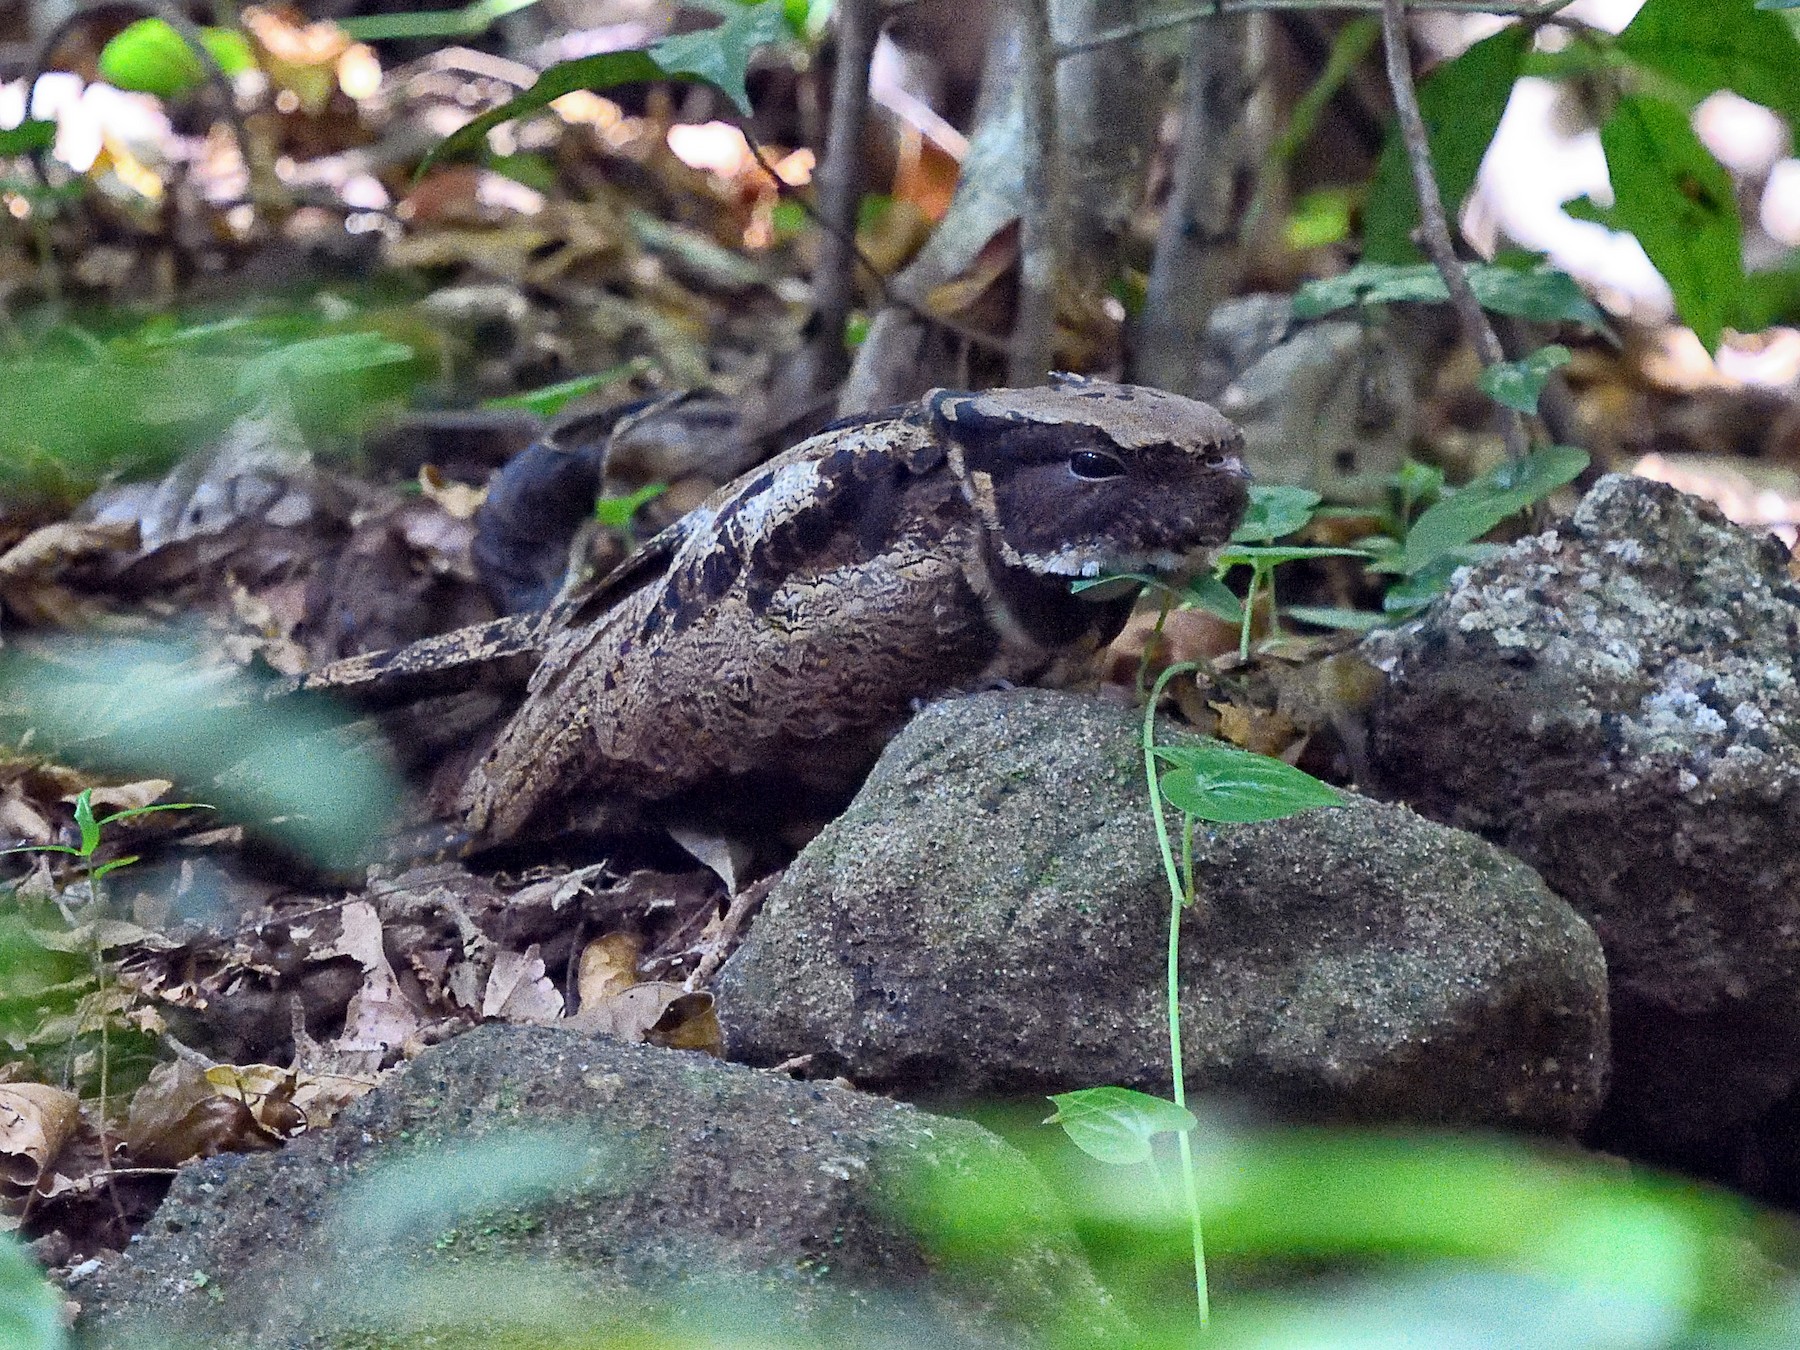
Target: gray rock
x=990 y=917
x=1615 y=702
x=520 y=1178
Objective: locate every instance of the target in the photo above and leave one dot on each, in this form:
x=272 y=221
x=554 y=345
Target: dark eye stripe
x=1095 y=465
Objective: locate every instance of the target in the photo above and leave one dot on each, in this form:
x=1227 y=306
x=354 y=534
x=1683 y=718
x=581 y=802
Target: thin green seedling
x=1207 y=781
x=92 y=830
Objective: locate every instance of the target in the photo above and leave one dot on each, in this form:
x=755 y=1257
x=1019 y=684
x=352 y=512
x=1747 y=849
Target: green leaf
x=114 y=865
x=721 y=56
x=1275 y=511
x=1677 y=199
x=1517 y=384
x=1334 y=616
x=1116 y=1125
x=30 y=1310
x=552 y=398
x=1538 y=292
x=1708 y=45
x=607 y=70
x=1411 y=594
x=132 y=811
x=84 y=818
x=150 y=57
x=27 y=137
x=1217 y=782
x=314 y=362
x=1477 y=507
x=616 y=513
x=1586 y=208
x=1215 y=597
x=1250 y=555
x=1461 y=102
x=472 y=20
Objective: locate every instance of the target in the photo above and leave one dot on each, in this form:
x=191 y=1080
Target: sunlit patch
x=714 y=147
x=359 y=71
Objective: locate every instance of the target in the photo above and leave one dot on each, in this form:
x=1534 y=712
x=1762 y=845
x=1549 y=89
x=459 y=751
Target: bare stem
x=1040 y=252
x=1207 y=9
x=1434 y=225
x=839 y=183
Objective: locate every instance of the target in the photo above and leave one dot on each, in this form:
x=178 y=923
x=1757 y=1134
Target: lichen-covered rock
x=990 y=917
x=1615 y=702
x=520 y=1184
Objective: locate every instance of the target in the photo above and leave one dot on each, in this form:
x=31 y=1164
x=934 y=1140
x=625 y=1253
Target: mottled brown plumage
x=773 y=638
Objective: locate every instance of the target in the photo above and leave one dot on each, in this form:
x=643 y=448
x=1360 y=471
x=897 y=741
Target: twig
x=1524 y=9
x=1434 y=226
x=813 y=213
x=839 y=185
x=889 y=296
x=1040 y=216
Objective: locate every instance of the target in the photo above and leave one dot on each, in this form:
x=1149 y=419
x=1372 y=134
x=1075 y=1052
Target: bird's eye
x=1095 y=465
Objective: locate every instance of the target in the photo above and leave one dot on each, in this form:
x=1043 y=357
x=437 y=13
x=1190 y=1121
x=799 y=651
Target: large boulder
x=990 y=917
x=1615 y=702
x=521 y=1183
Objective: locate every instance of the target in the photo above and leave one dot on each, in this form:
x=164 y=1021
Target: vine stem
x=1180 y=896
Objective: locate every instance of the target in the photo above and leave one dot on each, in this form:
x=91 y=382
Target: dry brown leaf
x=125 y=796
x=20 y=821
x=656 y=1012
x=608 y=967
x=379 y=1019
x=35 y=1122
x=1256 y=729
x=460 y=500
x=519 y=991
x=178 y=1114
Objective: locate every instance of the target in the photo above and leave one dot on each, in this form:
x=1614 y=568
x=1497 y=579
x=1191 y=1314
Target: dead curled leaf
x=518 y=990
x=178 y=1115
x=615 y=1003
x=35 y=1121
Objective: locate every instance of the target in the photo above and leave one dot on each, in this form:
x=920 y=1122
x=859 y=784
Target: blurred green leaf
x=1586 y=208
x=1709 y=45
x=1275 y=511
x=1539 y=292
x=553 y=398
x=1116 y=1125
x=1518 y=384
x=617 y=513
x=31 y=1311
x=1461 y=102
x=150 y=57
x=719 y=56
x=1218 y=782
x=1474 y=509
x=1677 y=199
x=472 y=20
x=1335 y=616
x=27 y=137
x=1319 y=219
x=282 y=767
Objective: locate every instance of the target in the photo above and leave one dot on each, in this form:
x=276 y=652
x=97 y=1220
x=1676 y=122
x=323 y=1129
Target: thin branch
x=1208 y=9
x=1434 y=225
x=791 y=193
x=839 y=184
x=889 y=296
x=1040 y=215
